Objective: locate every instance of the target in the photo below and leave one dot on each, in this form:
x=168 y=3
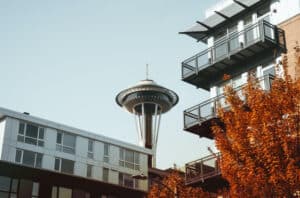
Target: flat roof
x=58 y=126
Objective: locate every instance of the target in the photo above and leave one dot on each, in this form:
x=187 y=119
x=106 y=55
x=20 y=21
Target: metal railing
x=202 y=169
x=208 y=109
x=231 y=44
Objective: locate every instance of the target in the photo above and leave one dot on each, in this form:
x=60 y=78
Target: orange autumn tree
x=259 y=141
x=173 y=185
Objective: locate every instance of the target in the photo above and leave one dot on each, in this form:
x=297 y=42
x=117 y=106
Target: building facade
x=244 y=38
x=101 y=166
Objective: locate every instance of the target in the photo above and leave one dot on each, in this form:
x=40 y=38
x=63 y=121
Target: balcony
x=199 y=119
x=205 y=173
x=231 y=52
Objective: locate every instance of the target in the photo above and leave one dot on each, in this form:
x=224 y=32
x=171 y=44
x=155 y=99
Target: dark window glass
x=41 y=143
x=14 y=186
x=4 y=183
x=41 y=133
x=67 y=166
x=89 y=170
x=29 y=140
x=28 y=158
x=20 y=138
x=39 y=158
x=18 y=156
x=21 y=128
x=31 y=131
x=91 y=145
x=128 y=181
x=69 y=140
x=105 y=174
x=106 y=149
x=58 y=138
x=121 y=179
x=3 y=194
x=57 y=164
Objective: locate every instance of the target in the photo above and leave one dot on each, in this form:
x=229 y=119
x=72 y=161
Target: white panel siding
x=9 y=128
x=285 y=9
x=2 y=130
x=80 y=169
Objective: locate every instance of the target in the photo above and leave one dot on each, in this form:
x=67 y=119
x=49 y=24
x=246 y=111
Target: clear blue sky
x=65 y=60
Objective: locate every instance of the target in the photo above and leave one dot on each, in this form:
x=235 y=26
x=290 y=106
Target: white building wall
x=2 y=130
x=283 y=10
x=9 y=128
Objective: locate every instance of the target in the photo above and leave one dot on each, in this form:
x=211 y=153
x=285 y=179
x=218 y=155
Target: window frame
x=90 y=153
x=135 y=165
x=21 y=160
x=89 y=170
x=106 y=152
x=122 y=178
x=22 y=134
x=60 y=161
x=63 y=148
x=105 y=177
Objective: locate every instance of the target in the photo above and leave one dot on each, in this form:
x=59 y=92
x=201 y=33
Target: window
x=11 y=187
x=105 y=174
x=127 y=181
x=61 y=192
x=129 y=159
x=31 y=134
x=90 y=153
x=65 y=142
x=89 y=170
x=106 y=153
x=64 y=165
x=29 y=158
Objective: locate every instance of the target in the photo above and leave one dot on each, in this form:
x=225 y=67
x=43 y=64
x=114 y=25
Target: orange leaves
x=174 y=185
x=260 y=148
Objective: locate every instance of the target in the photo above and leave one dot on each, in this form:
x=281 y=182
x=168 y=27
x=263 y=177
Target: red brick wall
x=292 y=35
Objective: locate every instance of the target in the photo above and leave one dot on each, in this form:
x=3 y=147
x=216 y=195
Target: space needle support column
x=148 y=134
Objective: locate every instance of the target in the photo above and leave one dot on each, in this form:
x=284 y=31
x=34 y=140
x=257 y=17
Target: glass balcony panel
x=234 y=42
x=187 y=70
x=207 y=110
x=250 y=35
x=269 y=31
x=203 y=168
x=203 y=60
x=221 y=51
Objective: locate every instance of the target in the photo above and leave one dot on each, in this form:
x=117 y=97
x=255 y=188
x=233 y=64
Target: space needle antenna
x=147 y=71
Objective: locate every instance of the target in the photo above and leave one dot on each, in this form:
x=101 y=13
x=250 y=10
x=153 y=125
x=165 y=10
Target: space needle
x=147 y=101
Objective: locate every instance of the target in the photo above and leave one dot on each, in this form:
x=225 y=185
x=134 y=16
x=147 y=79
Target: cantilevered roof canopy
x=198 y=32
x=202 y=29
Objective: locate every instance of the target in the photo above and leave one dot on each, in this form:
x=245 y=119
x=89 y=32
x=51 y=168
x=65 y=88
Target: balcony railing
x=202 y=169
x=262 y=33
x=207 y=110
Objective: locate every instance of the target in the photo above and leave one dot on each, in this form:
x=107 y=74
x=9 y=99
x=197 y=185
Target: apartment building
x=243 y=38
x=41 y=158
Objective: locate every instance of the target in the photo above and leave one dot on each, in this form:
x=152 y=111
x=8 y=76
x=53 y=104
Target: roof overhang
x=203 y=29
